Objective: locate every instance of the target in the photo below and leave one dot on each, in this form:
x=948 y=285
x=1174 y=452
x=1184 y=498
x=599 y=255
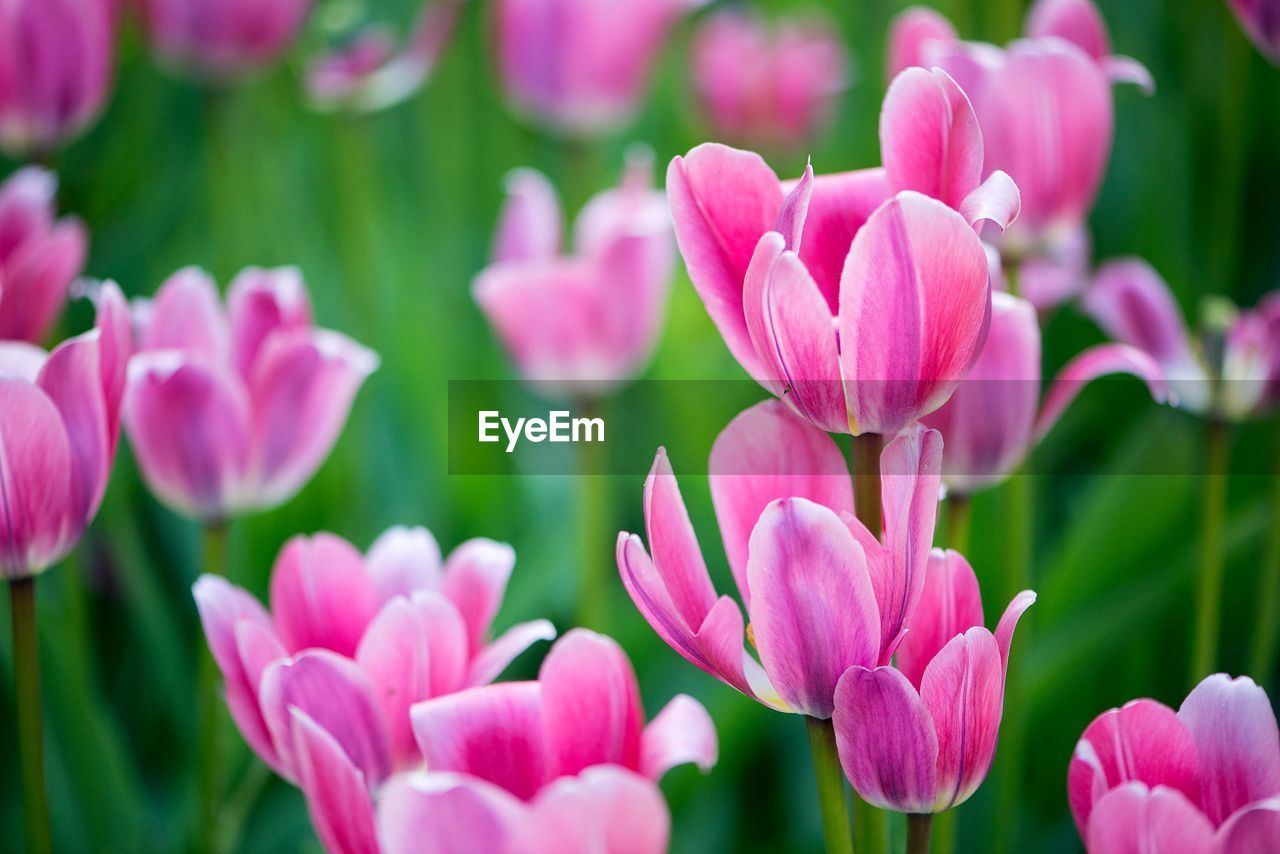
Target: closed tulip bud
x=221 y=39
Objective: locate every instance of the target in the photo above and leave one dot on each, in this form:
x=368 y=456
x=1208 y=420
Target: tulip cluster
x=221 y=39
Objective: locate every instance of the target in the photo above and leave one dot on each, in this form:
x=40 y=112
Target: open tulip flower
x=39 y=255
x=580 y=67
x=1261 y=21
x=59 y=423
x=565 y=764
x=587 y=322
x=1202 y=780
x=822 y=592
x=859 y=298
x=234 y=411
x=990 y=424
x=1045 y=106
x=772 y=86
x=1230 y=372
x=353 y=641
x=56 y=60
x=221 y=39
x=920 y=737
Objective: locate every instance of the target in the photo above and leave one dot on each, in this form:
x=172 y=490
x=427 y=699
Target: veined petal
x=337 y=794
x=1134 y=819
x=839 y=206
x=446 y=813
x=681 y=733
x=605 y=809
x=930 y=141
x=72 y=379
x=795 y=208
x=1091 y=364
x=996 y=200
x=1254 y=828
x=321 y=596
x=950 y=605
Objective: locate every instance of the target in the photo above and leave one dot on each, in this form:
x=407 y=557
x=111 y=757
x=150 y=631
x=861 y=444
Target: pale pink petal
x=794 y=211
x=446 y=813
x=529 y=225
x=1093 y=363
x=1077 y=21
x=1136 y=820
x=886 y=740
x=1058 y=273
x=1130 y=301
x=1254 y=828
x=494 y=658
x=475 y=580
x=680 y=734
x=35 y=280
x=1144 y=741
x=321 y=596
x=115 y=349
x=1126 y=69
x=259 y=303
x=950 y=605
x=813 y=611
x=930 y=141
x=72 y=379
x=605 y=810
x=258 y=648
x=914 y=307
x=403 y=561
x=590 y=704
x=996 y=200
x=337 y=793
x=187 y=315
x=768 y=452
x=495 y=733
x=1009 y=622
x=839 y=206
x=676 y=553
x=1237 y=741
x=910 y=31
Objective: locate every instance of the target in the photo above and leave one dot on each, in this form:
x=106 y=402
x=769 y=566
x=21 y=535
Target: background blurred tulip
x=772 y=85
x=920 y=737
x=56 y=59
x=1204 y=779
x=585 y=323
x=219 y=39
x=39 y=255
x=234 y=411
x=581 y=67
x=1261 y=20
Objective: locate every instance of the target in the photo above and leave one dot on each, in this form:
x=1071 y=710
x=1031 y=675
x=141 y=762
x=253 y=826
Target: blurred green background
x=389 y=216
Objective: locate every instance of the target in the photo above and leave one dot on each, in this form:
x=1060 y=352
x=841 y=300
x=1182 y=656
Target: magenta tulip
x=56 y=59
x=400 y=625
x=59 y=423
x=860 y=298
x=822 y=592
x=1202 y=780
x=39 y=255
x=765 y=85
x=221 y=39
x=580 y=67
x=585 y=323
x=1234 y=381
x=919 y=738
x=990 y=424
x=234 y=411
x=1261 y=21
x=372 y=72
x=564 y=764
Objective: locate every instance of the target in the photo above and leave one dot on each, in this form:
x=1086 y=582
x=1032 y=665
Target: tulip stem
x=959 y=513
x=1266 y=629
x=918 y=826
x=26 y=684
x=208 y=734
x=1209 y=583
x=594 y=525
x=832 y=803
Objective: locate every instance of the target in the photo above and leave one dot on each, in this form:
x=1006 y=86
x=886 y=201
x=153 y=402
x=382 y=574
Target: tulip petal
x=909 y=34
x=72 y=378
x=886 y=740
x=36 y=490
x=337 y=795
x=1077 y=21
x=930 y=141
x=475 y=580
x=1136 y=820
x=914 y=307
x=529 y=225
x=795 y=207
x=494 y=658
x=768 y=452
x=320 y=594
x=186 y=315
x=260 y=303
x=1237 y=741
x=1254 y=828
x=813 y=611
x=446 y=814
x=839 y=206
x=996 y=200
x=722 y=201
x=36 y=279
x=674 y=544
x=1145 y=742
x=115 y=349
x=605 y=809
x=1091 y=364
x=495 y=732
x=680 y=734
x=950 y=604
x=404 y=561
x=1009 y=621
x=258 y=648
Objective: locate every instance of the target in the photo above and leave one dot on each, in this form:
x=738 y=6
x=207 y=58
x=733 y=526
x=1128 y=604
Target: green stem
x=836 y=832
x=26 y=678
x=1267 y=628
x=944 y=832
x=594 y=526
x=918 y=825
x=1204 y=653
x=959 y=514
x=208 y=734
x=1019 y=537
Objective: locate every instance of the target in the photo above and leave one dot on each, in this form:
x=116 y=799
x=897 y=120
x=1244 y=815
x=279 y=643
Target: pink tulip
x=822 y=592
x=990 y=424
x=589 y=321
x=39 y=256
x=56 y=61
x=1080 y=22
x=868 y=322
x=773 y=86
x=1261 y=21
x=911 y=33
x=371 y=73
x=1202 y=780
x=59 y=423
x=580 y=66
x=397 y=625
x=234 y=411
x=564 y=764
x=1234 y=379
x=220 y=39
x=919 y=738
